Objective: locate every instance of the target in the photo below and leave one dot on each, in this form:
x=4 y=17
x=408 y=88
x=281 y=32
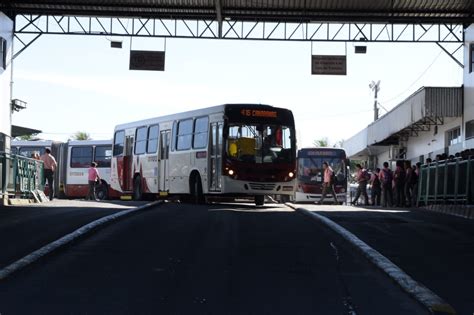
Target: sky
x=80 y=83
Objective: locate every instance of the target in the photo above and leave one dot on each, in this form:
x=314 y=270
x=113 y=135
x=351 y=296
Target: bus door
x=163 y=161
x=127 y=163
x=215 y=160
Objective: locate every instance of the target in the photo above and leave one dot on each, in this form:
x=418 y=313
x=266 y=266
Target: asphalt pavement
x=214 y=259
x=435 y=249
x=24 y=229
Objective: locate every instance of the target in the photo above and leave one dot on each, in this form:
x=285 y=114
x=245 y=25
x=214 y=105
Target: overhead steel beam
x=220 y=27
x=231 y=29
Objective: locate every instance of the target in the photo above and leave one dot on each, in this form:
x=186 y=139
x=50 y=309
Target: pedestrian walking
x=415 y=180
x=376 y=190
x=362 y=177
x=386 y=178
x=328 y=183
x=399 y=178
x=409 y=177
x=93 y=178
x=49 y=165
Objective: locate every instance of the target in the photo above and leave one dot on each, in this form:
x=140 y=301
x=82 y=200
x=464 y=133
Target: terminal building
x=432 y=121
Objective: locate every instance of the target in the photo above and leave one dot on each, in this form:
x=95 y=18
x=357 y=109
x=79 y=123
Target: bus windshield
x=259 y=143
x=310 y=168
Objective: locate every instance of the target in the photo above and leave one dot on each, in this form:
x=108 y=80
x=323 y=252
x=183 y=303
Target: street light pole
x=376 y=88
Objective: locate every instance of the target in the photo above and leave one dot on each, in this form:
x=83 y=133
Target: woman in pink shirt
x=328 y=184
x=93 y=179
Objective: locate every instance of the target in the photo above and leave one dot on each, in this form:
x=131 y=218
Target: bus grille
x=262 y=186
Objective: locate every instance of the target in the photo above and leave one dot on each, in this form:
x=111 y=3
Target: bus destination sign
x=258 y=113
x=323 y=153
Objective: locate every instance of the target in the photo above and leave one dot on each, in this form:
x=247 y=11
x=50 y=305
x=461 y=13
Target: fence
x=449 y=182
x=20 y=176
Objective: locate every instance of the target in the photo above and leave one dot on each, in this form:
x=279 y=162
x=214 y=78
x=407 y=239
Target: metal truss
x=420 y=126
x=441 y=34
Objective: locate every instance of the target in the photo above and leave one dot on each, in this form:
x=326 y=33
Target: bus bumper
x=238 y=187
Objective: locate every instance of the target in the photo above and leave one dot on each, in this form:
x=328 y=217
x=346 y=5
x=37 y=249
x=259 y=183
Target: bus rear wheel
x=102 y=191
x=259 y=200
x=137 y=188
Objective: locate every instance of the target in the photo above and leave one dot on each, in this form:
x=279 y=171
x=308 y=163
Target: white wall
x=468 y=84
x=427 y=142
x=6 y=31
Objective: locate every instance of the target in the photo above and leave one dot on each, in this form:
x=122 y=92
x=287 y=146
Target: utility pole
x=376 y=88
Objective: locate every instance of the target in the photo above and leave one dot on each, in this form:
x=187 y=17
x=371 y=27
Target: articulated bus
x=310 y=173
x=228 y=150
x=74 y=159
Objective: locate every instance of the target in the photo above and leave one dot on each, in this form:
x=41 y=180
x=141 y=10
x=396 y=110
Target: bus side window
x=119 y=140
x=174 y=136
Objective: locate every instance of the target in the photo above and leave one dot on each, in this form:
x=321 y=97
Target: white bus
x=74 y=159
x=311 y=174
x=228 y=150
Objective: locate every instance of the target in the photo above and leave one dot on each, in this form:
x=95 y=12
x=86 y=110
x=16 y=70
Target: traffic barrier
x=446 y=182
x=20 y=176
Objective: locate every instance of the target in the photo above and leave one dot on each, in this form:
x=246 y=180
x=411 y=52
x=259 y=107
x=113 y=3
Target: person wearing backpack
x=328 y=183
x=386 y=178
x=399 y=179
x=409 y=182
x=376 y=188
x=362 y=177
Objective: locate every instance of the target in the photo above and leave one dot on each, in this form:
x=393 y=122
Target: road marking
x=422 y=294
x=47 y=249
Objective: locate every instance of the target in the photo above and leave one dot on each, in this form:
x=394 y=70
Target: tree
x=81 y=135
x=29 y=137
x=321 y=143
x=338 y=144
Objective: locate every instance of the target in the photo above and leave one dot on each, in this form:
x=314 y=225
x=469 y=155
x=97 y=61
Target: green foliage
x=321 y=143
x=81 y=135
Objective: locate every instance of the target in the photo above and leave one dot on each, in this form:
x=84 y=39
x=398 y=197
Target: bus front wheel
x=197 y=196
x=259 y=200
x=137 y=188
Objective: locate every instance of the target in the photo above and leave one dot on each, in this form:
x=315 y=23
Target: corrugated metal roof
x=277 y=10
x=427 y=102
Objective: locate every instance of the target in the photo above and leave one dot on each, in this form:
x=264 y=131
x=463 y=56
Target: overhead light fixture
x=115 y=44
x=360 y=49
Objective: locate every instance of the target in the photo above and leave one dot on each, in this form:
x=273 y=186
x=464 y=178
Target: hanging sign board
x=147 y=60
x=326 y=64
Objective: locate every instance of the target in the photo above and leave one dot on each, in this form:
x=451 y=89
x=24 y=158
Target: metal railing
x=20 y=176
x=449 y=181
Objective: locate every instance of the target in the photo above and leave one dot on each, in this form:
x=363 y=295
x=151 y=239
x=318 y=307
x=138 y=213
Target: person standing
x=362 y=178
x=386 y=178
x=399 y=179
x=328 y=183
x=93 y=178
x=50 y=165
x=376 y=187
x=409 y=182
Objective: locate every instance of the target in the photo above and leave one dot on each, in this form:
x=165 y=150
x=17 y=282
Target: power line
x=413 y=83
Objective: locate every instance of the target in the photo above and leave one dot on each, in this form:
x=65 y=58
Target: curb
x=419 y=292
x=80 y=232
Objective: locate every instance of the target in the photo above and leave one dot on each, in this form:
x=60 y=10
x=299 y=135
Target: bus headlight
x=230 y=172
x=291 y=174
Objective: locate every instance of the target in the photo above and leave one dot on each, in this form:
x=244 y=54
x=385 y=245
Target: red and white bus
x=74 y=159
x=310 y=173
x=228 y=150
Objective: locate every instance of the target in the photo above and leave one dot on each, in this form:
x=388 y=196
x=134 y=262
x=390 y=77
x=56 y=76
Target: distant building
x=432 y=121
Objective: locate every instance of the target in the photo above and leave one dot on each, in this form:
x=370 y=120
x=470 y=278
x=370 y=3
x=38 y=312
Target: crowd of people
x=389 y=188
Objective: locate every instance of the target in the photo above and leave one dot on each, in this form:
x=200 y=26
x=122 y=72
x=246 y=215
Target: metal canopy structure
x=393 y=11
x=430 y=21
